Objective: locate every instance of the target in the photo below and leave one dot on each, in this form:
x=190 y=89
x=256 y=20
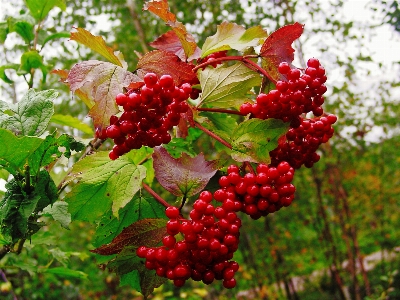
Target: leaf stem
x=245 y=59
x=155 y=195
x=220 y=110
x=213 y=135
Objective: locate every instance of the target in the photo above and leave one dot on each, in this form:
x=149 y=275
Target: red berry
x=172 y=212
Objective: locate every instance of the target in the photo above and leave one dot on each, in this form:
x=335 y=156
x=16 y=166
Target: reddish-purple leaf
x=145 y=232
x=162 y=62
x=161 y=9
x=170 y=42
x=277 y=48
x=100 y=82
x=184 y=176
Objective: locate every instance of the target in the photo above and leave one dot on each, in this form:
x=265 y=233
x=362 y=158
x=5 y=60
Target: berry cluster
x=149 y=113
x=302 y=142
x=261 y=193
x=301 y=93
x=206 y=251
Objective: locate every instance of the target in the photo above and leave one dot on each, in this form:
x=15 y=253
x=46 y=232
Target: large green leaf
x=70 y=121
x=221 y=124
x=14 y=151
x=177 y=146
x=253 y=139
x=41 y=8
x=102 y=183
x=233 y=36
x=226 y=87
x=137 y=209
x=32 y=114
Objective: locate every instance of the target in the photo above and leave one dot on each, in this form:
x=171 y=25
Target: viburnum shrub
x=251 y=101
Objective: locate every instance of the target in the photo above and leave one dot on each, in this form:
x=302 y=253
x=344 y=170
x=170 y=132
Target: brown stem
x=155 y=195
x=213 y=135
x=136 y=23
x=219 y=110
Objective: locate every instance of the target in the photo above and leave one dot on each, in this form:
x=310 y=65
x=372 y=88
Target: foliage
x=111 y=207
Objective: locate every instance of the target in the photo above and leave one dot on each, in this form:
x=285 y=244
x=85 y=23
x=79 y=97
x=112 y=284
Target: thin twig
x=155 y=195
x=213 y=135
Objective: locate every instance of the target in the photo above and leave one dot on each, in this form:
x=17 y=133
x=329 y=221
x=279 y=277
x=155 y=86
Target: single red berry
x=166 y=81
x=172 y=212
x=150 y=79
x=229 y=284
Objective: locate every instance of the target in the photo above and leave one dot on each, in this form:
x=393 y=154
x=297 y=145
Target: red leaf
x=170 y=42
x=278 y=48
x=161 y=9
x=184 y=176
x=146 y=232
x=162 y=62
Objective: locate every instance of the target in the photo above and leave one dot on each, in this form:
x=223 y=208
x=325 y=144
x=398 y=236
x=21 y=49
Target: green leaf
x=102 y=183
x=70 y=121
x=4 y=174
x=15 y=209
x=55 y=36
x=221 y=124
x=23 y=26
x=145 y=232
x=130 y=267
x=100 y=82
x=32 y=60
x=15 y=151
x=233 y=36
x=253 y=139
x=51 y=149
x=40 y=8
x=137 y=209
x=143 y=157
x=226 y=87
x=177 y=146
x=65 y=272
x=184 y=176
x=3 y=32
x=46 y=189
x=59 y=212
x=3 y=75
x=32 y=114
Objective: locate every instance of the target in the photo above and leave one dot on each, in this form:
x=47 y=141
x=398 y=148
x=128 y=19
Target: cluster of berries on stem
x=148 y=114
x=210 y=238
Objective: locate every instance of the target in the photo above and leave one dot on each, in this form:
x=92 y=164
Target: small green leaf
x=32 y=114
x=129 y=266
x=221 y=124
x=3 y=69
x=15 y=151
x=65 y=272
x=226 y=87
x=46 y=189
x=233 y=36
x=3 y=32
x=253 y=139
x=70 y=121
x=55 y=36
x=184 y=176
x=102 y=183
x=40 y=9
x=32 y=60
x=177 y=146
x=59 y=212
x=137 y=209
x=23 y=26
x=51 y=149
